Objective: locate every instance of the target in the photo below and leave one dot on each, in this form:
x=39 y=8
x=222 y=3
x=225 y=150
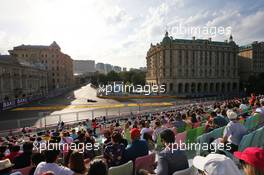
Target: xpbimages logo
x=121 y=88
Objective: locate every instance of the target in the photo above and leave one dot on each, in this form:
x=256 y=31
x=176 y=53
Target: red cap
x=253 y=156
x=135 y=132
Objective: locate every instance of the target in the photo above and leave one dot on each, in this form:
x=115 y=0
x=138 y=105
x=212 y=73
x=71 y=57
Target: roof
x=199 y=41
x=53 y=44
x=245 y=47
x=167 y=40
x=31 y=47
x=8 y=59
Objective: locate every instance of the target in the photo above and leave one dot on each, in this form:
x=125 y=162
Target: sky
x=120 y=32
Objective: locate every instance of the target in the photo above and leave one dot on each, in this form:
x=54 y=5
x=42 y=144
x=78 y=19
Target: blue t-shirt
x=137 y=149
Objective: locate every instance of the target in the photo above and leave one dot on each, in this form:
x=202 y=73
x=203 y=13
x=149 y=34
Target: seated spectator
x=187 y=121
x=157 y=129
x=2 y=152
x=193 y=119
x=114 y=152
x=252 y=99
x=65 y=138
x=233 y=132
x=36 y=159
x=24 y=159
x=73 y=134
x=215 y=164
x=218 y=120
x=170 y=159
x=137 y=148
x=14 y=152
x=252 y=159
x=209 y=125
x=107 y=136
x=50 y=164
x=179 y=123
x=97 y=167
x=148 y=138
x=6 y=168
x=144 y=125
x=122 y=140
x=94 y=126
x=90 y=140
x=243 y=107
x=126 y=132
x=76 y=163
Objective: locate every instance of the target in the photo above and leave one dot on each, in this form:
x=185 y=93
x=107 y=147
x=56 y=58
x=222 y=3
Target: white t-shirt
x=145 y=130
x=53 y=167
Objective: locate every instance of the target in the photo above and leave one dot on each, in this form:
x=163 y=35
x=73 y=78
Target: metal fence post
x=18 y=124
x=106 y=112
x=40 y=123
x=60 y=117
x=92 y=114
x=77 y=116
x=45 y=122
x=119 y=112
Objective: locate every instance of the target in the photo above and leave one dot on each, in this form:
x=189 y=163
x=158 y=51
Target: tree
x=135 y=77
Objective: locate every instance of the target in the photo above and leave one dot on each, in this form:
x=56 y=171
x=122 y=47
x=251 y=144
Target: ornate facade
x=251 y=60
x=58 y=65
x=21 y=80
x=194 y=67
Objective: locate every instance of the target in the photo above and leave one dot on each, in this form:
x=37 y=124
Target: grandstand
x=117 y=145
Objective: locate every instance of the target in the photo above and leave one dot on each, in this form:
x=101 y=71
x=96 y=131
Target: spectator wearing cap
x=259 y=110
x=137 y=148
x=252 y=159
x=215 y=164
x=6 y=168
x=243 y=107
x=170 y=159
x=233 y=132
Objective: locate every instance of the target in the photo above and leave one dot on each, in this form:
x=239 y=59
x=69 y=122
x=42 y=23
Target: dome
x=166 y=39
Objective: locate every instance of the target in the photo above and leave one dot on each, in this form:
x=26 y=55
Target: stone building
x=251 y=60
x=21 y=80
x=194 y=67
x=58 y=65
x=84 y=66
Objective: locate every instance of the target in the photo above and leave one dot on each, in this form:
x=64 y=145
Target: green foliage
x=135 y=77
x=256 y=84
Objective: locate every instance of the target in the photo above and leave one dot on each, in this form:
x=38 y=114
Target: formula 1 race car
x=92 y=101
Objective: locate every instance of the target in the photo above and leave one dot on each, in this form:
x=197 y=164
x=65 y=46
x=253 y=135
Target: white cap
x=4 y=164
x=258 y=110
x=231 y=115
x=243 y=107
x=216 y=164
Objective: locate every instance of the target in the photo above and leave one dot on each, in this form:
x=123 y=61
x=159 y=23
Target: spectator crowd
x=116 y=142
